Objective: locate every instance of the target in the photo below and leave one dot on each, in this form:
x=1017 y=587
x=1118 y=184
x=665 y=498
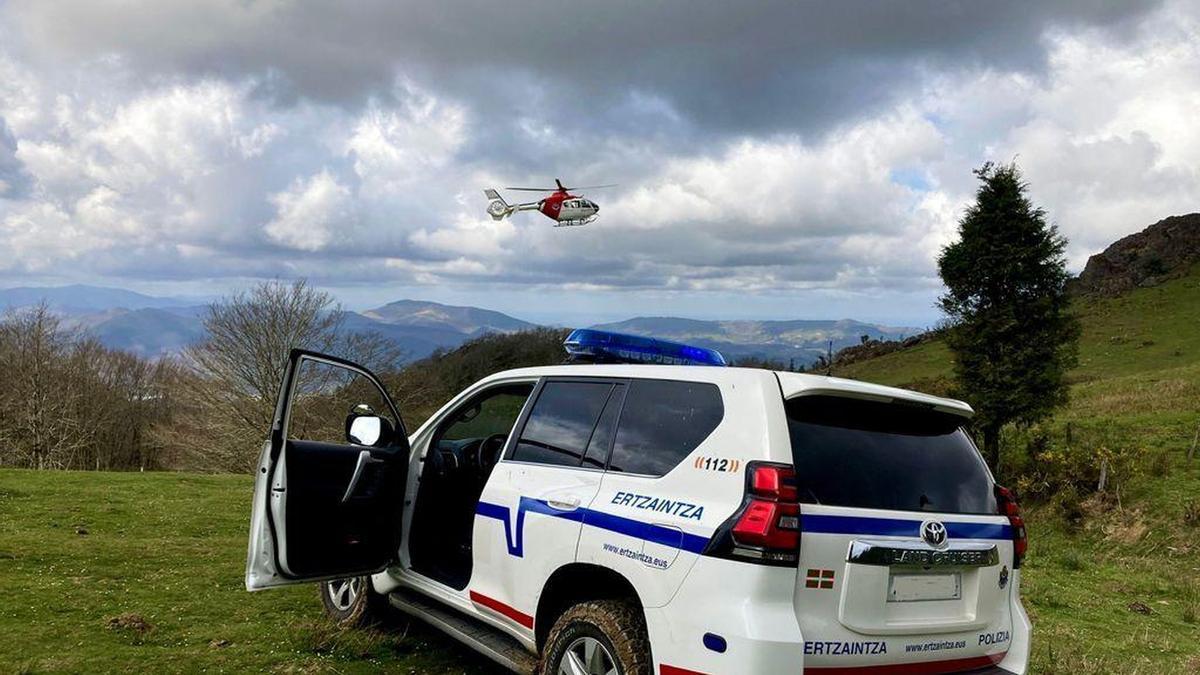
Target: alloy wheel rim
x=587 y=656
x=343 y=592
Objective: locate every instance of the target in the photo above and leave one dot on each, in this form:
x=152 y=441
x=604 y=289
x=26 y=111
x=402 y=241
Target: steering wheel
x=489 y=451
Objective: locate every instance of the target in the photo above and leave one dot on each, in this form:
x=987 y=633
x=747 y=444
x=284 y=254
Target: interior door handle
x=364 y=458
x=567 y=504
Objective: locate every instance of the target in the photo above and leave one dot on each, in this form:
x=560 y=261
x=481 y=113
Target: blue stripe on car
x=694 y=543
x=658 y=534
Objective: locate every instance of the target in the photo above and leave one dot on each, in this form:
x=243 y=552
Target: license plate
x=921 y=587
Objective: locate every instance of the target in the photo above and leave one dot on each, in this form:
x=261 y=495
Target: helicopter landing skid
x=575 y=223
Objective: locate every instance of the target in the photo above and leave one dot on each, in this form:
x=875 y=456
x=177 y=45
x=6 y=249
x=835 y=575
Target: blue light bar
x=600 y=346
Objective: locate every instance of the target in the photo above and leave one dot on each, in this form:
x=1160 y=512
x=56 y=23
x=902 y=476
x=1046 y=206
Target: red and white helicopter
x=564 y=208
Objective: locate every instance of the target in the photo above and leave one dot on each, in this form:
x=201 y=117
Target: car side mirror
x=364 y=427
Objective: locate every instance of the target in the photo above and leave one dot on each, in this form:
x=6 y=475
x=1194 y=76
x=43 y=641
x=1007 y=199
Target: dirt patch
x=129 y=622
x=1128 y=528
x=1140 y=608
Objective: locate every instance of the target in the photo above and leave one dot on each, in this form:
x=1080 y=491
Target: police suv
x=649 y=511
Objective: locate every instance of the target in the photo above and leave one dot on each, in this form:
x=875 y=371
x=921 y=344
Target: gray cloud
x=14 y=181
x=735 y=67
x=791 y=150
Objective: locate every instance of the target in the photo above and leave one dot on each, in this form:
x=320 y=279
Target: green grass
x=1147 y=330
x=1078 y=586
x=170 y=549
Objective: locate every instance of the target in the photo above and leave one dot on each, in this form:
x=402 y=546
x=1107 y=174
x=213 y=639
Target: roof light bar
x=597 y=346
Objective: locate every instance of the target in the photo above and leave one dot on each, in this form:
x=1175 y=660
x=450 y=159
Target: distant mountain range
x=79 y=299
x=156 y=326
x=803 y=339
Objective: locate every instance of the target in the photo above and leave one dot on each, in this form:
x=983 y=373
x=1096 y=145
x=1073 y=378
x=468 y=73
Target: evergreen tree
x=1011 y=332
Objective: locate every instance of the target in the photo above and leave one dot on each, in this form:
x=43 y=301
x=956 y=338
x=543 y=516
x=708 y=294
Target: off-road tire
x=618 y=625
x=367 y=608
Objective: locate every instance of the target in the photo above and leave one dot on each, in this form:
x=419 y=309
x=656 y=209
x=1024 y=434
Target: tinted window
x=663 y=422
x=597 y=450
x=561 y=422
x=885 y=456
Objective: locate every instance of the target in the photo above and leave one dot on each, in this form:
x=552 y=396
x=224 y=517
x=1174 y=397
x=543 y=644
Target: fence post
x=1103 y=475
x=1192 y=451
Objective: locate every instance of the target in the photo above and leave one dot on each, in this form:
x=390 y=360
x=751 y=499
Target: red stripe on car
x=504 y=610
x=664 y=669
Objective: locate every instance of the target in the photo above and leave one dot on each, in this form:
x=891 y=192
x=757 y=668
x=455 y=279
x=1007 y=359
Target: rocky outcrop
x=1165 y=250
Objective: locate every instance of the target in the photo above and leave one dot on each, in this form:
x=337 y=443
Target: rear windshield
x=894 y=456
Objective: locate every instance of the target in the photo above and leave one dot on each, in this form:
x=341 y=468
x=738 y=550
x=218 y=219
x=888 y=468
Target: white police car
x=633 y=518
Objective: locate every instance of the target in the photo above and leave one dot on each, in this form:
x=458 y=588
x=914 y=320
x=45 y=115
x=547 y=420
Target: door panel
x=326 y=507
x=530 y=514
x=343 y=507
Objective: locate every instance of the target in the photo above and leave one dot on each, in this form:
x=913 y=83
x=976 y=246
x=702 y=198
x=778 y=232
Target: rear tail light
x=766 y=529
x=1007 y=501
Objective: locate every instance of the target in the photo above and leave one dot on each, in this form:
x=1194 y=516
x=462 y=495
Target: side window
x=562 y=422
x=324 y=395
x=492 y=412
x=662 y=423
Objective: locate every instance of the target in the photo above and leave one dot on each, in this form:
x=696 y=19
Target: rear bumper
x=751 y=609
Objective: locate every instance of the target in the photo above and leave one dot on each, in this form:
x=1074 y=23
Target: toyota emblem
x=934 y=533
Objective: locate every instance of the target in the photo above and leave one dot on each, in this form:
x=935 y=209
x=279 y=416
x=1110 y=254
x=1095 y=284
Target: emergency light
x=598 y=346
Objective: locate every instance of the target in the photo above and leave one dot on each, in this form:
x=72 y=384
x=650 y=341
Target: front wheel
x=352 y=602
x=601 y=637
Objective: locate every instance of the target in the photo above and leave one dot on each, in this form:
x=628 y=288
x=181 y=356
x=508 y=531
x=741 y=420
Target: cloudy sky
x=775 y=160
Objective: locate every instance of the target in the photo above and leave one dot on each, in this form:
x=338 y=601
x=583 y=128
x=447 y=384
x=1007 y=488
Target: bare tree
x=39 y=399
x=71 y=403
x=235 y=374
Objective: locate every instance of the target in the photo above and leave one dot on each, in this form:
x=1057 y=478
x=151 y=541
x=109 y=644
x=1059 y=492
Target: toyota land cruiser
x=649 y=511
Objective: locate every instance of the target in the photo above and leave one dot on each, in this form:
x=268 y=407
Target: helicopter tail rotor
x=497 y=208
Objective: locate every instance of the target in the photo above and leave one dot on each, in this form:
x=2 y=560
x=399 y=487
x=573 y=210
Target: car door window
x=662 y=422
x=324 y=395
x=562 y=422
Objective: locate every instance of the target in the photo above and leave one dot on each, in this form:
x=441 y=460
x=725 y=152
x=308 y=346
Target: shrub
x=1045 y=466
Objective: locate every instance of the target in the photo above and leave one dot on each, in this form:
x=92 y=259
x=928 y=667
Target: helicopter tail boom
x=499 y=209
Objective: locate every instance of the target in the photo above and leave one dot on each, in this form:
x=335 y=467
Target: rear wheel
x=601 y=637
x=352 y=602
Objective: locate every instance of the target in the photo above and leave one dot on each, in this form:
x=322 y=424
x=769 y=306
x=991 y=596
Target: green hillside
x=1147 y=330
x=1113 y=581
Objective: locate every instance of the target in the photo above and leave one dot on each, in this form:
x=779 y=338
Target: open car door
x=329 y=486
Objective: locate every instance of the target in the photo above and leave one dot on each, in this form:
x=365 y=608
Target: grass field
x=85 y=558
